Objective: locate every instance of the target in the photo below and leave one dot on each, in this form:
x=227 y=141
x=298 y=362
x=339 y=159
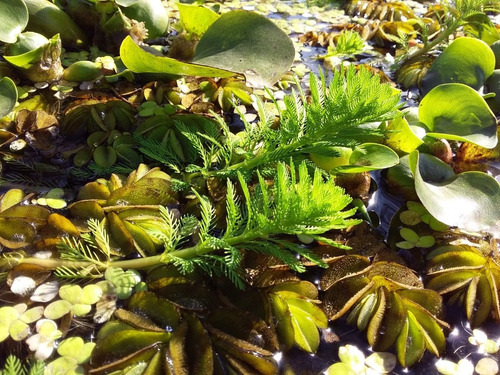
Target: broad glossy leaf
x=369 y=157
x=8 y=92
x=140 y=61
x=467 y=60
x=249 y=44
x=450 y=281
x=469 y=200
x=63 y=224
x=462 y=114
x=120 y=235
x=137 y=321
x=457 y=258
x=152 y=13
x=304 y=289
x=196 y=19
x=401 y=137
x=14 y=18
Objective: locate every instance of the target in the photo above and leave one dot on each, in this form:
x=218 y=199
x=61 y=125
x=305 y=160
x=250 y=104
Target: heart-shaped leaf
x=455 y=111
x=8 y=95
x=14 y=18
x=246 y=43
x=467 y=60
x=469 y=200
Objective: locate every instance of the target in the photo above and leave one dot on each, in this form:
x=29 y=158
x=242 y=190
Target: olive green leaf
x=368 y=157
x=14 y=18
x=462 y=114
x=469 y=200
x=467 y=60
x=8 y=96
x=469 y=275
x=383 y=298
x=298 y=316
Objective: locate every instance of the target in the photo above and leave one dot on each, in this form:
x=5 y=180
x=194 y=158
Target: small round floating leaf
x=90 y=294
x=57 y=309
x=467 y=60
x=462 y=114
x=14 y=18
x=382 y=362
x=8 y=95
x=105 y=156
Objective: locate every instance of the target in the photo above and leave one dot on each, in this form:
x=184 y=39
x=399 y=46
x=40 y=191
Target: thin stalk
x=439 y=39
x=140 y=263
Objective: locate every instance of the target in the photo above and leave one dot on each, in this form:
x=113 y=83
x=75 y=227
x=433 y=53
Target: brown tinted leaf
x=344 y=294
x=347 y=266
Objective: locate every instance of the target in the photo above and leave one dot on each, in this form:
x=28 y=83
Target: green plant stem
x=439 y=39
x=140 y=263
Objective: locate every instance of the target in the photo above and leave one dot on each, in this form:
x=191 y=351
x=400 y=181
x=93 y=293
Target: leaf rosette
x=388 y=301
x=468 y=276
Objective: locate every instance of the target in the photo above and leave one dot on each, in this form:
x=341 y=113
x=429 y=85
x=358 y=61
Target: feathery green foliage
x=342 y=113
x=295 y=204
x=14 y=366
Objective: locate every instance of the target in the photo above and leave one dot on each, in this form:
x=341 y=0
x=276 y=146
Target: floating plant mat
x=170 y=205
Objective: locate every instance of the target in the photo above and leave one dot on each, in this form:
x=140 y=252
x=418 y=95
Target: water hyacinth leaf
x=14 y=18
x=369 y=157
x=152 y=13
x=469 y=200
x=249 y=44
x=8 y=94
x=140 y=61
x=462 y=114
x=196 y=19
x=467 y=60
x=48 y=19
x=401 y=137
